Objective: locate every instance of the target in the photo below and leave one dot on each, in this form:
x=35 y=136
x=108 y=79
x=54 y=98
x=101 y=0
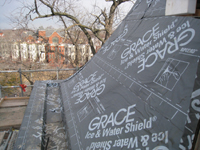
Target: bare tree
x=97 y=24
x=101 y=26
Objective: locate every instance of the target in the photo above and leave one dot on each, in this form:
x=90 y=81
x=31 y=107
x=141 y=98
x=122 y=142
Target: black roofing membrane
x=140 y=91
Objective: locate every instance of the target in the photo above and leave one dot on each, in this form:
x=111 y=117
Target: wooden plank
x=14 y=103
x=1 y=101
x=1 y=136
x=197 y=12
x=15 y=98
x=11 y=117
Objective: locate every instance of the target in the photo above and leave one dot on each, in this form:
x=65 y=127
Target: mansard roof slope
x=60 y=32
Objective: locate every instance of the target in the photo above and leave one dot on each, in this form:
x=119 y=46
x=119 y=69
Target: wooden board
x=11 y=117
x=15 y=98
x=1 y=101
x=12 y=112
x=14 y=103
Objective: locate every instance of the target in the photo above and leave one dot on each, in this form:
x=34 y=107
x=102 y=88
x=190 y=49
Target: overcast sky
x=11 y=5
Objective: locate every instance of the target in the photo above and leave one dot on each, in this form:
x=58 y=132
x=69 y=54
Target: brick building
x=48 y=46
x=59 y=49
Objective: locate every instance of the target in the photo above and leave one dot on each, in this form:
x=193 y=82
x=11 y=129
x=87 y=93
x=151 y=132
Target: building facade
x=44 y=46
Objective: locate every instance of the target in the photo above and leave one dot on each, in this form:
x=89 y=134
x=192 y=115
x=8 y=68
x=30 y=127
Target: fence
x=31 y=71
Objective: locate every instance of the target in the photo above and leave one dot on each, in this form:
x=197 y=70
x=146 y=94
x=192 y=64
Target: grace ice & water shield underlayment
x=141 y=90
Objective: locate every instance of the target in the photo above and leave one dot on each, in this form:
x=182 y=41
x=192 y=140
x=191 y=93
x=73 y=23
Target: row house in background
x=61 y=50
x=48 y=46
x=25 y=51
x=4 y=47
x=15 y=45
x=4 y=50
x=84 y=51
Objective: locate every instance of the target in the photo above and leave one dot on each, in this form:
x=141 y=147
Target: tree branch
x=108 y=20
x=98 y=18
x=51 y=7
x=36 y=8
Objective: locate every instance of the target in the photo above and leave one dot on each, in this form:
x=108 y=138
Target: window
x=73 y=57
x=42 y=57
x=55 y=39
x=49 y=56
x=59 y=49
